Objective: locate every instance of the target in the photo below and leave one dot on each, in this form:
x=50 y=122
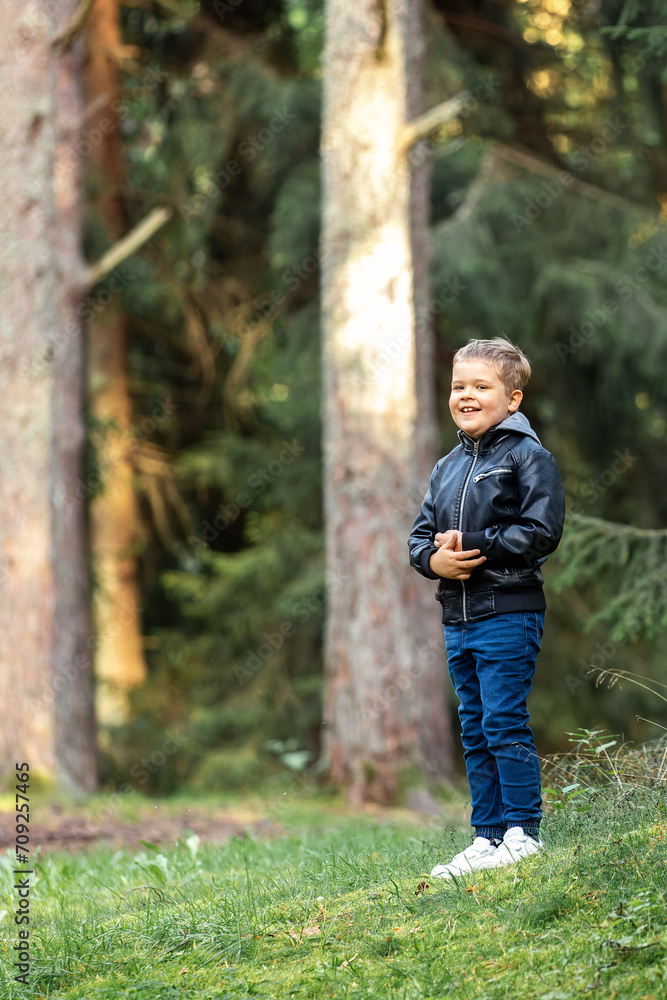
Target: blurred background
x=200 y=497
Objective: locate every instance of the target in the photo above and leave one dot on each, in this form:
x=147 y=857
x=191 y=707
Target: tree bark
x=384 y=706
x=45 y=681
x=119 y=656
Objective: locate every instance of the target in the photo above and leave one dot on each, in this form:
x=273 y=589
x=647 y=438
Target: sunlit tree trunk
x=384 y=692
x=119 y=656
x=45 y=677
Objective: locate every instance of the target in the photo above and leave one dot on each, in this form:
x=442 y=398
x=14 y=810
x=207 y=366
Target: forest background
x=202 y=483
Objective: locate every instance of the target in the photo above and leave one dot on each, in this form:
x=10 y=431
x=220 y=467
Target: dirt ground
x=55 y=829
x=117 y=822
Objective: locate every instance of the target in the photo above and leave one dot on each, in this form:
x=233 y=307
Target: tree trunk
x=119 y=655
x=45 y=681
x=384 y=700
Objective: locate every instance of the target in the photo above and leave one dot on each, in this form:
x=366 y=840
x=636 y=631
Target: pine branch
x=613 y=527
x=626 y=566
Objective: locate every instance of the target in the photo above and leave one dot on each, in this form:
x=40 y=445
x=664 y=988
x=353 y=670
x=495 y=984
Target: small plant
x=288 y=753
x=602 y=766
x=600 y=763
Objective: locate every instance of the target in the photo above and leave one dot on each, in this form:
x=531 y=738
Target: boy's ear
x=515 y=398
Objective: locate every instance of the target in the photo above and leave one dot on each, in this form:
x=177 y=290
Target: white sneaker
x=481 y=854
x=516 y=846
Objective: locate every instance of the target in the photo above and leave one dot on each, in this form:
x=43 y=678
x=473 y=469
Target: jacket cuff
x=474 y=540
x=424 y=560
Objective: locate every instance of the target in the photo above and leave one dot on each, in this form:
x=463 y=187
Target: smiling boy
x=493 y=512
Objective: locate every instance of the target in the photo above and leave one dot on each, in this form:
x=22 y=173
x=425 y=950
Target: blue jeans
x=491 y=664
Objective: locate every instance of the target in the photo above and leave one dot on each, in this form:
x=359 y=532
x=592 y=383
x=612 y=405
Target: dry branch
x=527 y=161
x=65 y=37
x=127 y=246
x=431 y=120
x=474 y=193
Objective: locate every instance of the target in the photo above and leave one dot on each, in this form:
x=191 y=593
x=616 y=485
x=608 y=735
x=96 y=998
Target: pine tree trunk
x=119 y=655
x=45 y=677
x=384 y=692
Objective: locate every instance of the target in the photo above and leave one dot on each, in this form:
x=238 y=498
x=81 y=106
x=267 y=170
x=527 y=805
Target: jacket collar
x=516 y=423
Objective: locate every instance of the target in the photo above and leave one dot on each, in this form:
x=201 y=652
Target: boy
x=493 y=512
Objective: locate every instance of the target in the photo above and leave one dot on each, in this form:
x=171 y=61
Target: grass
x=342 y=906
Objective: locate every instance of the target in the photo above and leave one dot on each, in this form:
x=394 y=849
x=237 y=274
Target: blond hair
x=508 y=360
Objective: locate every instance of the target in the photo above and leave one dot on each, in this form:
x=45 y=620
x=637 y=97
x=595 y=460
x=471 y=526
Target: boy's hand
x=453 y=564
x=442 y=537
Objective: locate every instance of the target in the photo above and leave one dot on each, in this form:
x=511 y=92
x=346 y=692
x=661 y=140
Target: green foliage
x=223 y=326
x=224 y=343
x=295 y=221
x=306 y=17
x=572 y=267
x=596 y=337
x=628 y=568
x=643 y=25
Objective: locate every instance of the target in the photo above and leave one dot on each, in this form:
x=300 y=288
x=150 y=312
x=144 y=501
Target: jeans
x=491 y=664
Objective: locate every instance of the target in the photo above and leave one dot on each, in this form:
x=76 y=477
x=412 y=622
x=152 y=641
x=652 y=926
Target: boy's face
x=479 y=399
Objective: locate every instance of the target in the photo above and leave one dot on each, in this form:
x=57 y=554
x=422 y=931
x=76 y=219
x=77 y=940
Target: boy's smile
x=479 y=399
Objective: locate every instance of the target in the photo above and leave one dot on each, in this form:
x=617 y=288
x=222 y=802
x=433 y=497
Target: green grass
x=334 y=908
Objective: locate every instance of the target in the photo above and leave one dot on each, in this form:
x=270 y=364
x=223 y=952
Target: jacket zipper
x=460 y=521
x=491 y=472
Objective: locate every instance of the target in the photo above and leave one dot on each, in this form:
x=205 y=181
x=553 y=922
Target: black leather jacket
x=505 y=494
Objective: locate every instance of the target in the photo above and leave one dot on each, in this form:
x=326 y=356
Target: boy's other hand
x=442 y=537
x=453 y=564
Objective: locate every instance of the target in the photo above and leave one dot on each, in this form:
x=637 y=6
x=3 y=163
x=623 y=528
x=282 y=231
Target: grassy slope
x=335 y=909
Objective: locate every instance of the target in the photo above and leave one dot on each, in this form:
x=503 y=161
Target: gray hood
x=516 y=423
